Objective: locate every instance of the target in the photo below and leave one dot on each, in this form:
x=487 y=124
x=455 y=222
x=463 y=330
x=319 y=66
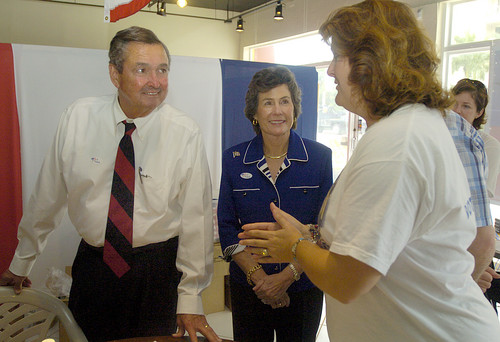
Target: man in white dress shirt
x=171 y=261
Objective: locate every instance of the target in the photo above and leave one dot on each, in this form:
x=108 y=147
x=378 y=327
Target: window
x=469 y=27
x=305 y=49
x=337 y=128
x=471 y=30
x=472 y=21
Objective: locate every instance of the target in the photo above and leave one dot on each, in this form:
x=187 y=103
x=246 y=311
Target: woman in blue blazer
x=276 y=166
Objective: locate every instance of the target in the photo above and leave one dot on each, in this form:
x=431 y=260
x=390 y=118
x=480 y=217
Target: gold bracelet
x=294 y=249
x=250 y=272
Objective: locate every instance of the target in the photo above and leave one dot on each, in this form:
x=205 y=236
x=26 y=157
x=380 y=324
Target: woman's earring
x=255 y=122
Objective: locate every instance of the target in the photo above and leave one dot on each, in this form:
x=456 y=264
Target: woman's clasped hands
x=271 y=290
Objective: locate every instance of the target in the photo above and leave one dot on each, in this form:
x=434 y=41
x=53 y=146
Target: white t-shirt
x=492 y=149
x=402 y=206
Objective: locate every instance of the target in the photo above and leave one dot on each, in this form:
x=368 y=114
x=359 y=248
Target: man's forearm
x=483 y=249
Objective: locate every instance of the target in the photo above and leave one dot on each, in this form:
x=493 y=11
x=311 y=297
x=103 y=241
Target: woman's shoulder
x=489 y=140
x=408 y=122
x=236 y=153
x=237 y=148
x=314 y=146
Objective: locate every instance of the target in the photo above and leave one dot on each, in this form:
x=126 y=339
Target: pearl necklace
x=276 y=157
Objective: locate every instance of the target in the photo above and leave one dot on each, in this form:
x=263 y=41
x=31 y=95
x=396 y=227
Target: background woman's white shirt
x=492 y=149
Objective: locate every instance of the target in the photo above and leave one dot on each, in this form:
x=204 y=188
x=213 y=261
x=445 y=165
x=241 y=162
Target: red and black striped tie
x=118 y=241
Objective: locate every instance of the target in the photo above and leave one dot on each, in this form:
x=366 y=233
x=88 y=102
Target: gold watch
x=296 y=275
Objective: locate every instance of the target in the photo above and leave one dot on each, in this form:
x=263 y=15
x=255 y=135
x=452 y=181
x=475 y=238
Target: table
x=163 y=339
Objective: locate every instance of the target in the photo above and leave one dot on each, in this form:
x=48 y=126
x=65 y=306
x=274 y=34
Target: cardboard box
x=213 y=296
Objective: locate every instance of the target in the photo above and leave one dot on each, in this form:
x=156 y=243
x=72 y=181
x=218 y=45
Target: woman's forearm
x=342 y=277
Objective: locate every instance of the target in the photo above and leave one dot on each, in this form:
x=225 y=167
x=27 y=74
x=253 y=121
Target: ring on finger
x=265 y=252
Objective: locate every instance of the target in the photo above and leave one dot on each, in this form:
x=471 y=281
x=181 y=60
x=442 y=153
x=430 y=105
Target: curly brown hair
x=479 y=94
x=392 y=61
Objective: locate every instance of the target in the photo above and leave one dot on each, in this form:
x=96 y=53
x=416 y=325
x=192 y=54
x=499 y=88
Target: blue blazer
x=246 y=192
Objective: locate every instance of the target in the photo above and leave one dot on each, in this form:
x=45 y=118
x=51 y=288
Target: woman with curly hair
x=391 y=251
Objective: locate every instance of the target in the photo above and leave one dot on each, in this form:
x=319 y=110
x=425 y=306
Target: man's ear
x=114 y=75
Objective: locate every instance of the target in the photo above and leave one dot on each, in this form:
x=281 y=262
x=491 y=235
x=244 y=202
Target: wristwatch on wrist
x=296 y=275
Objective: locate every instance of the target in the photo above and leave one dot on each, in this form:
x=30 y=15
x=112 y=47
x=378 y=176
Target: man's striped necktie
x=118 y=240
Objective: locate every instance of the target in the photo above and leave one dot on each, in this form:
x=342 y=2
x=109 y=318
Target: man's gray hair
x=132 y=34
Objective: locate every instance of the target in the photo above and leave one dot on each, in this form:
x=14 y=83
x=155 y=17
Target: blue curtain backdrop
x=236 y=75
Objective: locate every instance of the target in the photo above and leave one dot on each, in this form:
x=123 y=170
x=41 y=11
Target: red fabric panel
x=126 y=10
x=10 y=156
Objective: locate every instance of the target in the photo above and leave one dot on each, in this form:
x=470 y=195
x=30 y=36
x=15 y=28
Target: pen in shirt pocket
x=142 y=175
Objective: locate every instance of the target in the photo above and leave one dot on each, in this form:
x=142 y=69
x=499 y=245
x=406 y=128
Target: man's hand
x=486 y=277
x=193 y=324
x=10 y=279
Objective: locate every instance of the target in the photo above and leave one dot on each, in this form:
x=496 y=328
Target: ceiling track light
x=161 y=8
x=278 y=14
x=182 y=3
x=239 y=25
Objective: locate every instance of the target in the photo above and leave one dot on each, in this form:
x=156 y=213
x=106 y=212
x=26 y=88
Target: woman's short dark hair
x=265 y=80
x=392 y=61
x=479 y=94
x=132 y=34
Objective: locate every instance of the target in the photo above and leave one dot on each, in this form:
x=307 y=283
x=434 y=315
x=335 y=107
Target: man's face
x=143 y=83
